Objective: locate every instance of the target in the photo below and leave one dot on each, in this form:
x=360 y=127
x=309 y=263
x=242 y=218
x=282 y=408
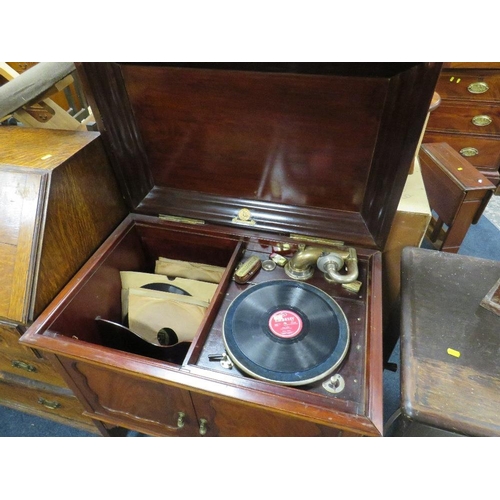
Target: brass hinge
x=313 y=239
x=181 y=220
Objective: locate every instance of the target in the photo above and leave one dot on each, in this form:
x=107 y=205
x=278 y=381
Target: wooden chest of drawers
x=58 y=201
x=468 y=118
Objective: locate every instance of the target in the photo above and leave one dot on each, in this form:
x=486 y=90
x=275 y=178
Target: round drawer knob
x=478 y=88
x=469 y=152
x=482 y=120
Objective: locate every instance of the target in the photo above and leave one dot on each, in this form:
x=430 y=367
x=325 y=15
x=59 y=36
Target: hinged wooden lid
x=310 y=148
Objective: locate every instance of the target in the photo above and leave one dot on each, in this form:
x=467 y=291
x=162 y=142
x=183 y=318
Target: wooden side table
x=457 y=193
x=450 y=375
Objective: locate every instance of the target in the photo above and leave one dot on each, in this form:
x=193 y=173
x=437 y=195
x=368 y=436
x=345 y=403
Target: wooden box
x=219 y=163
x=59 y=201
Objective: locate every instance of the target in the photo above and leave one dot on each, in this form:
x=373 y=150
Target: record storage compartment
x=309 y=153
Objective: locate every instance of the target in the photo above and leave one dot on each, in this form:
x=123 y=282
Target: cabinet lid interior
x=308 y=148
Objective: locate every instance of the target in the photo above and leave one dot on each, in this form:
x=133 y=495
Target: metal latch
x=244 y=217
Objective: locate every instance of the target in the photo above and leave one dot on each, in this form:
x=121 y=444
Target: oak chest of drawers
x=221 y=163
x=468 y=118
x=59 y=200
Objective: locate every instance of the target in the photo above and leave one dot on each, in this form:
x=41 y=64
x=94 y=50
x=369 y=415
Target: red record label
x=285 y=324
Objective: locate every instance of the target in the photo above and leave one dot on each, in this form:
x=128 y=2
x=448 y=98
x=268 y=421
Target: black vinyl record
x=287 y=332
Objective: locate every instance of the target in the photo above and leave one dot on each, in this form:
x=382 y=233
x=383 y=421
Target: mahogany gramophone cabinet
x=287 y=177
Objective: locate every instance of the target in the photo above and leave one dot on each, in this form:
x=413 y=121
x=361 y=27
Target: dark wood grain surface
x=330 y=144
x=449 y=344
x=458 y=118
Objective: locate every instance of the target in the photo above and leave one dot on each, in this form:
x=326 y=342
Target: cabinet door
x=136 y=403
x=219 y=417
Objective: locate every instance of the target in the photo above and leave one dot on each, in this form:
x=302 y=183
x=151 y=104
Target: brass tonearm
x=328 y=260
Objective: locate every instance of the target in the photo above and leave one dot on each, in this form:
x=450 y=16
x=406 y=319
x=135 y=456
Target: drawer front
x=23 y=362
x=26 y=364
x=129 y=401
x=62 y=408
x=463 y=118
x=483 y=153
x=477 y=86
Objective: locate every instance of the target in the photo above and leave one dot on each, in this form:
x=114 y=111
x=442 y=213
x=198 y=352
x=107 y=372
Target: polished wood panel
x=459 y=118
x=224 y=420
x=254 y=116
x=132 y=401
x=454 y=84
x=276 y=130
x=122 y=139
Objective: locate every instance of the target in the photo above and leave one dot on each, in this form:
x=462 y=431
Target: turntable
x=286 y=176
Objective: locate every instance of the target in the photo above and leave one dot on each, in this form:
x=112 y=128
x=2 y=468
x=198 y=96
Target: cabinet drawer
x=61 y=407
x=26 y=364
x=484 y=152
x=133 y=402
x=461 y=85
x=463 y=118
x=22 y=361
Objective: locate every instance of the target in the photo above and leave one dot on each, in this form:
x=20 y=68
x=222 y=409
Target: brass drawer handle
x=23 y=366
x=180 y=420
x=478 y=88
x=51 y=405
x=482 y=120
x=203 y=426
x=469 y=152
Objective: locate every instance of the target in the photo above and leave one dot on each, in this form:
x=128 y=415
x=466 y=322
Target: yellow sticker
x=460 y=168
x=458 y=81
x=452 y=78
x=452 y=352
